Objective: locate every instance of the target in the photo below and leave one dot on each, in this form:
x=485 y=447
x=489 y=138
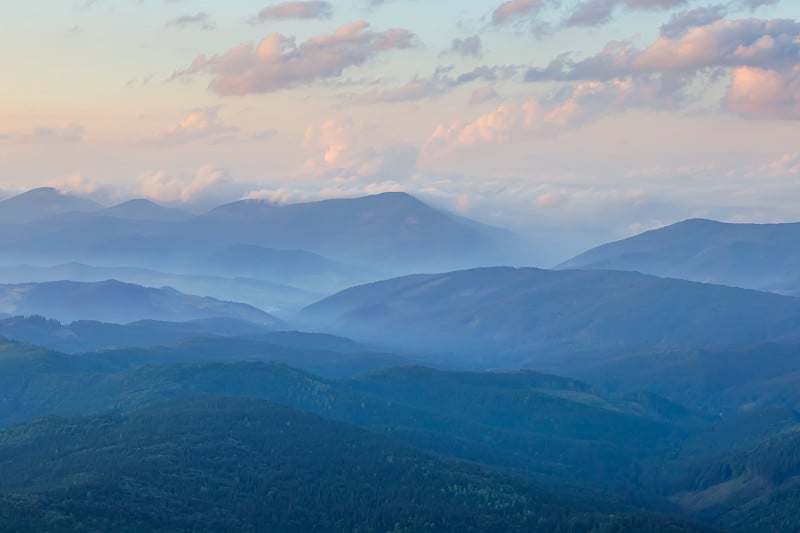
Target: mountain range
x=645 y=385
x=758 y=256
x=389 y=232
x=514 y=317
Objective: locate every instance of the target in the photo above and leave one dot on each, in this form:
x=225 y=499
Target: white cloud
x=280 y=196
x=161 y=186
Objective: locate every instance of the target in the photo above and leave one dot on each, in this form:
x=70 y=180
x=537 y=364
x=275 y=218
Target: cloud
x=682 y=22
x=482 y=94
x=312 y=9
x=438 y=84
x=197 y=125
x=346 y=149
x=726 y=43
x=514 y=10
x=340 y=189
x=585 y=102
x=597 y=12
x=764 y=94
x=468 y=47
x=198 y=20
x=278 y=62
x=487 y=73
x=416 y=89
x=279 y=196
x=160 y=186
x=752 y=5
x=786 y=165
x=74 y=184
x=759 y=55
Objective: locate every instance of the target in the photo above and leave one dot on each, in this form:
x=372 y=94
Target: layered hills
x=512 y=316
x=385 y=232
x=251 y=465
x=637 y=454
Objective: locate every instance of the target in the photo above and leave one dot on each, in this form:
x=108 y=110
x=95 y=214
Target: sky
x=573 y=122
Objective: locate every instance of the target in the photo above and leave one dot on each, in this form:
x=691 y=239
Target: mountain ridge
x=116 y=301
x=144 y=209
x=40 y=203
x=507 y=311
x=756 y=256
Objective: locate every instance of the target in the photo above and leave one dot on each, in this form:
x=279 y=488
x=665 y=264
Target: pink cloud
x=786 y=165
x=764 y=94
x=73 y=184
x=278 y=62
x=482 y=94
x=586 y=102
x=345 y=149
x=721 y=44
x=198 y=124
x=514 y=10
x=759 y=55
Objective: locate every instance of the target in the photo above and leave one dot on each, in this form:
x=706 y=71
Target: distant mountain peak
x=41 y=203
x=379 y=197
x=144 y=209
x=390 y=195
x=391 y=230
x=41 y=192
x=756 y=256
x=139 y=202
